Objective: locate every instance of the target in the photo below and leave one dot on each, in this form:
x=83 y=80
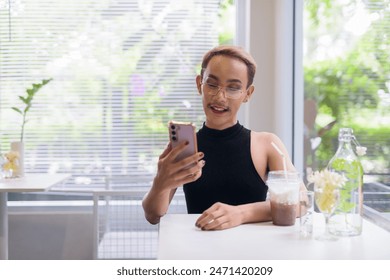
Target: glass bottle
x=347 y=219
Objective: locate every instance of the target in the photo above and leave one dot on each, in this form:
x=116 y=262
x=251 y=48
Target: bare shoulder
x=261 y=141
x=261 y=149
x=264 y=137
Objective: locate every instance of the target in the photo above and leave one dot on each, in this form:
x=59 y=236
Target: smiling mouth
x=218 y=109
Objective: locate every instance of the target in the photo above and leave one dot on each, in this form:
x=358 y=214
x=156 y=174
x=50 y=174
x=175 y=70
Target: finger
x=218 y=225
x=166 y=151
x=178 y=149
x=191 y=160
x=208 y=216
x=188 y=160
x=187 y=176
x=193 y=171
x=178 y=170
x=203 y=220
x=215 y=222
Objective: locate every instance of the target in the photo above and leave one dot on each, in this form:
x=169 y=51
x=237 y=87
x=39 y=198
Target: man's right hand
x=172 y=174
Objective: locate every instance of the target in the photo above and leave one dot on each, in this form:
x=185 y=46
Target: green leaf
x=30 y=91
x=36 y=87
x=24 y=100
x=44 y=82
x=17 y=110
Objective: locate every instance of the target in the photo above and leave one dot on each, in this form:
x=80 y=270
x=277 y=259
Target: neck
x=220 y=125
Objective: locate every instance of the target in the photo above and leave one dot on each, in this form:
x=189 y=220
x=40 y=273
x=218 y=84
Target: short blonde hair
x=235 y=52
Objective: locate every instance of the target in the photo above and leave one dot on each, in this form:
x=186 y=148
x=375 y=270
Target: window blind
x=121 y=70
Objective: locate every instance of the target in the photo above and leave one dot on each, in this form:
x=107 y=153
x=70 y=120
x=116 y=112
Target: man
x=227 y=184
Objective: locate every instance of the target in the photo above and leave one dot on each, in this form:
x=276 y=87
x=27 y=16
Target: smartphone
x=183 y=131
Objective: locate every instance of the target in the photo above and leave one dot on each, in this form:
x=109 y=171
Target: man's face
x=224 y=72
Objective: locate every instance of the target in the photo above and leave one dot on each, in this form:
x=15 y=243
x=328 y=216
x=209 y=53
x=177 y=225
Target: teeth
x=220 y=109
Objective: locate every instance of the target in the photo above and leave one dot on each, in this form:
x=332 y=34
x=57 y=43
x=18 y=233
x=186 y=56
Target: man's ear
x=199 y=83
x=249 y=93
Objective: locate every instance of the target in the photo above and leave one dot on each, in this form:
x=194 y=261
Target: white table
x=180 y=239
x=28 y=183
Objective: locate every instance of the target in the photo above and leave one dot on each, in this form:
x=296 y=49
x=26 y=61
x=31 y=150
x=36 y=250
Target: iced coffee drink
x=284 y=195
x=283 y=214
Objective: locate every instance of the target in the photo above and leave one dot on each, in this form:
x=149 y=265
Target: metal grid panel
x=122 y=230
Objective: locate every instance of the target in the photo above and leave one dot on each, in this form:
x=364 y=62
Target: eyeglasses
x=213 y=89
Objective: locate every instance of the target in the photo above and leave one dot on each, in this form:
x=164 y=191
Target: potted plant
x=17 y=147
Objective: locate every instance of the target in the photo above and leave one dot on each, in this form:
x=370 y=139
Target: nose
x=223 y=90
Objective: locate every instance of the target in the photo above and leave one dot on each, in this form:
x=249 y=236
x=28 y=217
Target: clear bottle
x=347 y=219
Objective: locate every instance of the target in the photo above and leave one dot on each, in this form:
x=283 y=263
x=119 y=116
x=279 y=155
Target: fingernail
x=202 y=162
x=201 y=154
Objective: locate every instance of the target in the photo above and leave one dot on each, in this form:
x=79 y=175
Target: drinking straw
x=283 y=158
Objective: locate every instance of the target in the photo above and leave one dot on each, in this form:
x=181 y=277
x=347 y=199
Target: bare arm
x=156 y=203
x=224 y=216
x=170 y=175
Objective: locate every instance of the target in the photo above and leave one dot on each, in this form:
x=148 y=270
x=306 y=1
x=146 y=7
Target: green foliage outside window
x=352 y=88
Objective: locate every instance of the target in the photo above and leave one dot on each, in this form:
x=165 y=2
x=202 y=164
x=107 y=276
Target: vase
x=18 y=147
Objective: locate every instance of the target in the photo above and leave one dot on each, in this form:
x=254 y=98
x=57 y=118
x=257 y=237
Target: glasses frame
x=224 y=91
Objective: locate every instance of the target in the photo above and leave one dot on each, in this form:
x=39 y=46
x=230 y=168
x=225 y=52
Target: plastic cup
x=283 y=190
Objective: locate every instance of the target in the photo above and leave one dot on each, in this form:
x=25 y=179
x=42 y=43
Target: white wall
x=267 y=30
x=262 y=47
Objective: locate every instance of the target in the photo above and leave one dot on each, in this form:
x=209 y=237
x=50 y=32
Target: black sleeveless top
x=229 y=175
